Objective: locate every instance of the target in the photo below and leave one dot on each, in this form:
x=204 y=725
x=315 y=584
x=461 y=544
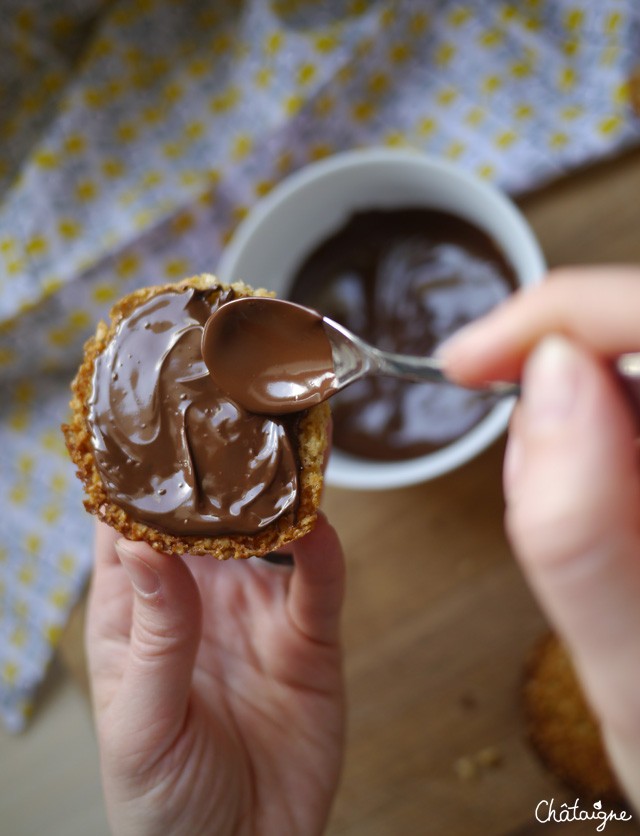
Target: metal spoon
x=275 y=357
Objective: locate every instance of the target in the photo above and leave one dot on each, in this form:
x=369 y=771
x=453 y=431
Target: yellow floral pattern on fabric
x=136 y=141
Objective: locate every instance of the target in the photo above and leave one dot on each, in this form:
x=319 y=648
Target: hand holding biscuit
x=217 y=688
x=571 y=476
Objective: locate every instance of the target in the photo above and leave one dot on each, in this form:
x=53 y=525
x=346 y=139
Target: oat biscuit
x=310 y=438
x=561 y=725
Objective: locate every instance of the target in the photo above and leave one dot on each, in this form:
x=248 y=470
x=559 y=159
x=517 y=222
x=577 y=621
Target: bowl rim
x=317 y=170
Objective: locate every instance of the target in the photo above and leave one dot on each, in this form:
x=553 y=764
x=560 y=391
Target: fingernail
x=143 y=578
x=512 y=468
x=550 y=383
x=278 y=559
x=457 y=342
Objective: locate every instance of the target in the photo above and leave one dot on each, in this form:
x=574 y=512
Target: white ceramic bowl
x=308 y=206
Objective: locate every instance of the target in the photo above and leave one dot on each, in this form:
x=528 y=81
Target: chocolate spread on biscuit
x=172 y=449
x=269 y=355
x=404 y=280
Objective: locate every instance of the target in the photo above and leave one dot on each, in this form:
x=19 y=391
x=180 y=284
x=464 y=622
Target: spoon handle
x=354 y=358
x=419 y=369
x=626 y=367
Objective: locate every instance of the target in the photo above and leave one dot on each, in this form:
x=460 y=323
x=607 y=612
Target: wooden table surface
x=438 y=621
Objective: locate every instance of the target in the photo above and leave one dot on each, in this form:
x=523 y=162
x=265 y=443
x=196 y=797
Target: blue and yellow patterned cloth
x=135 y=135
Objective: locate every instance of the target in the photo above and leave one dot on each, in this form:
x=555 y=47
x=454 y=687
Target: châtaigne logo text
x=547 y=811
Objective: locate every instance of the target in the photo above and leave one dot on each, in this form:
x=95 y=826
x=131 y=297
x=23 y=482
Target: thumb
x=573 y=500
x=316 y=592
x=165 y=633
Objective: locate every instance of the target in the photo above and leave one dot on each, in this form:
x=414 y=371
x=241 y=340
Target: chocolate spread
x=269 y=355
x=171 y=448
x=404 y=280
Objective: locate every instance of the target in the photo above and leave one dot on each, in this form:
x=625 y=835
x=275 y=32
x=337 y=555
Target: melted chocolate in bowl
x=172 y=449
x=404 y=280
